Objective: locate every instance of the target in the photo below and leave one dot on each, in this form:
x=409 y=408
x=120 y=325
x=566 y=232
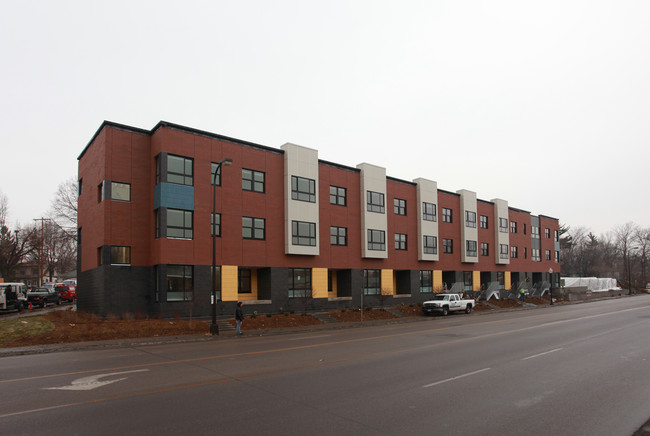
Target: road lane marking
x=308 y=337
x=542 y=354
x=456 y=378
x=92 y=382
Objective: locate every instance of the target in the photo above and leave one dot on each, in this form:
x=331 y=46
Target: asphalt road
x=568 y=370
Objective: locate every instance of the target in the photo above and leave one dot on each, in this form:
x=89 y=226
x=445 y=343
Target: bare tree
x=625 y=242
x=642 y=237
x=14 y=245
x=64 y=204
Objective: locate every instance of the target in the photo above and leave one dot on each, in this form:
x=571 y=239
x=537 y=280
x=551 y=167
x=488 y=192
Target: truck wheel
x=445 y=311
x=468 y=308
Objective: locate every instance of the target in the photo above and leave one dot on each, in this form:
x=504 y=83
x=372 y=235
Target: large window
x=244 y=281
x=430 y=244
x=299 y=282
x=471 y=248
x=426 y=281
x=253 y=228
x=371 y=282
x=429 y=211
x=179 y=170
x=303 y=233
x=534 y=232
x=120 y=191
x=536 y=257
x=470 y=219
x=252 y=180
x=376 y=240
x=338 y=236
x=547 y=233
x=503 y=251
x=120 y=255
x=400 y=241
x=514 y=253
x=485 y=249
x=303 y=189
x=216 y=224
x=180 y=286
x=375 y=202
x=399 y=206
x=448 y=246
x=174 y=223
x=446 y=215
x=503 y=225
x=513 y=227
x=338 y=196
x=484 y=222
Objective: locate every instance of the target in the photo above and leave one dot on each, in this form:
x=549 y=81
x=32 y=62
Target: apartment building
x=288 y=229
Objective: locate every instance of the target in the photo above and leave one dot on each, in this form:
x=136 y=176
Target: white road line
x=309 y=337
x=542 y=354
x=456 y=378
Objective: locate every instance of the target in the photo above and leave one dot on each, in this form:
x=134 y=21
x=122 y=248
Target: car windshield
x=39 y=290
x=441 y=297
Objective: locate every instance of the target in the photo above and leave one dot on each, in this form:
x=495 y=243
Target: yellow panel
x=319 y=282
x=387 y=287
x=506 y=280
x=476 y=281
x=437 y=281
x=229 y=279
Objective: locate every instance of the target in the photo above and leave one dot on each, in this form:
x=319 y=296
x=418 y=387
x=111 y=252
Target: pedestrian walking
x=239 y=317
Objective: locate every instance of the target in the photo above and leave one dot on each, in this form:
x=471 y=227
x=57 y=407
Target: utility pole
x=40 y=255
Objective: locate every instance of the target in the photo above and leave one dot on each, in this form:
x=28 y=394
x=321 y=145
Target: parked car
x=67 y=292
x=445 y=303
x=42 y=297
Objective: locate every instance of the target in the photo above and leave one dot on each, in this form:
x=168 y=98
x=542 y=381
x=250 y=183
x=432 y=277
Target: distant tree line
x=621 y=253
x=49 y=242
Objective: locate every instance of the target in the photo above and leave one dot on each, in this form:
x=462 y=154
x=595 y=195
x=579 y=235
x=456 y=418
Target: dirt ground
x=71 y=326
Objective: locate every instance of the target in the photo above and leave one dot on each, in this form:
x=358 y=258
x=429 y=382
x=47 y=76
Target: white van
x=16 y=299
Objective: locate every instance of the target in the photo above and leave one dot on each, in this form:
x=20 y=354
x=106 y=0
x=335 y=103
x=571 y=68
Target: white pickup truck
x=445 y=303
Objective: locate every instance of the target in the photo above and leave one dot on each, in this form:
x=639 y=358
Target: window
x=371 y=282
x=180 y=285
x=525 y=252
x=179 y=170
x=337 y=196
x=120 y=255
x=513 y=252
x=303 y=233
x=471 y=248
x=513 y=227
x=299 y=282
x=485 y=249
x=547 y=233
x=244 y=281
x=446 y=215
x=524 y=228
x=253 y=228
x=503 y=225
x=400 y=241
x=400 y=206
x=429 y=211
x=534 y=232
x=174 y=223
x=252 y=180
x=100 y=192
x=426 y=281
x=215 y=180
x=338 y=236
x=216 y=224
x=303 y=189
x=120 y=191
x=548 y=254
x=375 y=201
x=470 y=219
x=556 y=235
x=557 y=257
x=468 y=281
x=376 y=240
x=536 y=257
x=503 y=251
x=448 y=246
x=484 y=222
x=80 y=187
x=430 y=244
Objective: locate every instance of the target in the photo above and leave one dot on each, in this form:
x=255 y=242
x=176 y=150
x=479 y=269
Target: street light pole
x=214 y=328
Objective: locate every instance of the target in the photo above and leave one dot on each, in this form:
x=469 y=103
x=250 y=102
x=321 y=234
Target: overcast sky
x=543 y=104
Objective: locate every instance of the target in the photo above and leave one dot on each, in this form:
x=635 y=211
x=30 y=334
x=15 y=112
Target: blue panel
x=173 y=196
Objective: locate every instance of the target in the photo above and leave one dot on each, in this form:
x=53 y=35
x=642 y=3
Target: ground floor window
x=120 y=255
x=244 y=281
x=299 y=282
x=467 y=281
x=180 y=283
x=426 y=281
x=371 y=281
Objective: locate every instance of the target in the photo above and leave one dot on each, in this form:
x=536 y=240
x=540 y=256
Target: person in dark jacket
x=239 y=317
